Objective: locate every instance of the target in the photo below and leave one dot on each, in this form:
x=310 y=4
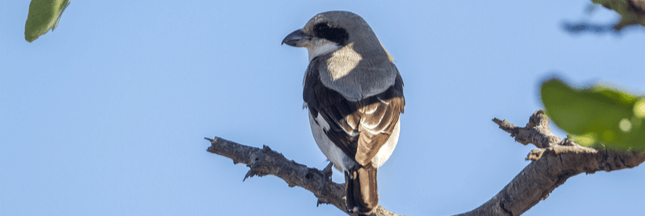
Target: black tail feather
x=362 y=191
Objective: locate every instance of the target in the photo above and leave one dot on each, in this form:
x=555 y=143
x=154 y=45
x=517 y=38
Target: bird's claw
x=327 y=173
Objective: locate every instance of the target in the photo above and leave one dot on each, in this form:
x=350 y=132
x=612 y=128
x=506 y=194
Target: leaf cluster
x=598 y=115
x=632 y=12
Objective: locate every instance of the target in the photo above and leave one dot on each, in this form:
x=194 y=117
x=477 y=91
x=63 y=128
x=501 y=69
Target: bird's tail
x=361 y=187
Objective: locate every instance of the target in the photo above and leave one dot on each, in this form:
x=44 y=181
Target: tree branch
x=552 y=164
x=268 y=162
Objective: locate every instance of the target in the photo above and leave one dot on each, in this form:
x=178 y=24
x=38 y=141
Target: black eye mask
x=338 y=35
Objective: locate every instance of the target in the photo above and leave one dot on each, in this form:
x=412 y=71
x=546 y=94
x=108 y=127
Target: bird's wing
x=379 y=115
x=358 y=128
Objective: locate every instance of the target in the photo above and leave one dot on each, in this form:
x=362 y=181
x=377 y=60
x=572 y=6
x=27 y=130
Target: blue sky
x=107 y=114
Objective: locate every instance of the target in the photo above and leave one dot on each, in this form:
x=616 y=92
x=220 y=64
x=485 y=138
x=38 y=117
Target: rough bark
x=268 y=162
x=552 y=164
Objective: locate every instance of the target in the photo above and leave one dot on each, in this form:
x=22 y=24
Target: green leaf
x=596 y=115
x=43 y=16
x=632 y=12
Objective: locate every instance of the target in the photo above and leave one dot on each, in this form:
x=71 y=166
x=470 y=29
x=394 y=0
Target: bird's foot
x=327 y=173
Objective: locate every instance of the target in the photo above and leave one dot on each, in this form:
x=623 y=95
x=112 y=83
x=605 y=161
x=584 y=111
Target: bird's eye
x=338 y=35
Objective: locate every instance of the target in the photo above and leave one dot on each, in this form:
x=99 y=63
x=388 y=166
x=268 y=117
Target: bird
x=354 y=96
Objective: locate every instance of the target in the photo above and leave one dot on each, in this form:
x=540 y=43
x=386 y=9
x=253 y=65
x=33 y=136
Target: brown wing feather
x=358 y=128
x=378 y=119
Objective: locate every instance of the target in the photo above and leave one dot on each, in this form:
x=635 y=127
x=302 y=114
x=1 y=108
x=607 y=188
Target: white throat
x=321 y=47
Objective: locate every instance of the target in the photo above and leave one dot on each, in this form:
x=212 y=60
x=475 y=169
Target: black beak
x=297 y=38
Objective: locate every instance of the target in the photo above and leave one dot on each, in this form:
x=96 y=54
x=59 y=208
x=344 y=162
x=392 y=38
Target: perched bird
x=354 y=95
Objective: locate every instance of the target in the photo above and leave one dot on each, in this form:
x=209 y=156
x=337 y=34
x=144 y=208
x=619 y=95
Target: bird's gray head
x=330 y=31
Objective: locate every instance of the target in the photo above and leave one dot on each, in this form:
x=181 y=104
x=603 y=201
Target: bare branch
x=268 y=162
x=537 y=131
x=551 y=166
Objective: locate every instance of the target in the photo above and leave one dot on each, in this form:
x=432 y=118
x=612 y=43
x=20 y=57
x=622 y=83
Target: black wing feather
x=359 y=128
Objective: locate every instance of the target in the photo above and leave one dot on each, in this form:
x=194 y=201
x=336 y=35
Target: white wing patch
x=337 y=156
x=331 y=151
x=382 y=101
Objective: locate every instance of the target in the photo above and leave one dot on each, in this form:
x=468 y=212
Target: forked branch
x=552 y=164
